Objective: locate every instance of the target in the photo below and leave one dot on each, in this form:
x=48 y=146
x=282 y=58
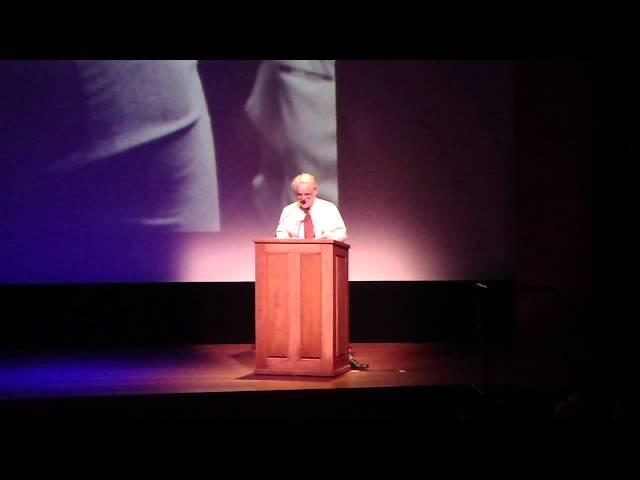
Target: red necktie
x=308 y=226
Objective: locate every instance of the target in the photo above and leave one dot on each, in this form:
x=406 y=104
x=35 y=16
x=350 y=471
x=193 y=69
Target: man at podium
x=312 y=217
x=309 y=216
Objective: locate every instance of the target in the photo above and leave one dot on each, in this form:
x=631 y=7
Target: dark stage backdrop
x=122 y=314
x=164 y=171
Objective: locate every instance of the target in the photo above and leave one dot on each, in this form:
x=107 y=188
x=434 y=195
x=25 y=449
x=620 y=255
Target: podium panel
x=302 y=307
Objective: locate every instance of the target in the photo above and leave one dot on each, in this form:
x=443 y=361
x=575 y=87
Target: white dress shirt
x=327 y=221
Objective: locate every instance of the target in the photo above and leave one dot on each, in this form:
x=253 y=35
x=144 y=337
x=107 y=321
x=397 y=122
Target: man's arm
x=337 y=229
x=287 y=223
x=338 y=233
x=281 y=232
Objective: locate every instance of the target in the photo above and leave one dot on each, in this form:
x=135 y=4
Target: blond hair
x=303 y=178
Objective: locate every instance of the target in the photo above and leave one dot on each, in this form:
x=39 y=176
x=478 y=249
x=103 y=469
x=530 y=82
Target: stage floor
x=406 y=383
x=228 y=368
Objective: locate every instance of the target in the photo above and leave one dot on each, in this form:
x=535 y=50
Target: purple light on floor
x=87 y=374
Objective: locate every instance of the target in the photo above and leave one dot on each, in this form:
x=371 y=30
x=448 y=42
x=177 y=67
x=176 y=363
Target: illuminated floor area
x=405 y=382
x=222 y=368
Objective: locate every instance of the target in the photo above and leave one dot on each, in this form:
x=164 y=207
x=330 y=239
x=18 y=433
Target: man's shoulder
x=291 y=206
x=325 y=203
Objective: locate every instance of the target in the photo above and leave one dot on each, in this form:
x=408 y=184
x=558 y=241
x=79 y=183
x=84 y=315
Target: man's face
x=305 y=194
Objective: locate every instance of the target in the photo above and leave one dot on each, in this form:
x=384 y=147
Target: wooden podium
x=302 y=307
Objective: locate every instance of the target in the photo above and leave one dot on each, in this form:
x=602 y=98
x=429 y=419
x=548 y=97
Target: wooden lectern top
x=296 y=240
